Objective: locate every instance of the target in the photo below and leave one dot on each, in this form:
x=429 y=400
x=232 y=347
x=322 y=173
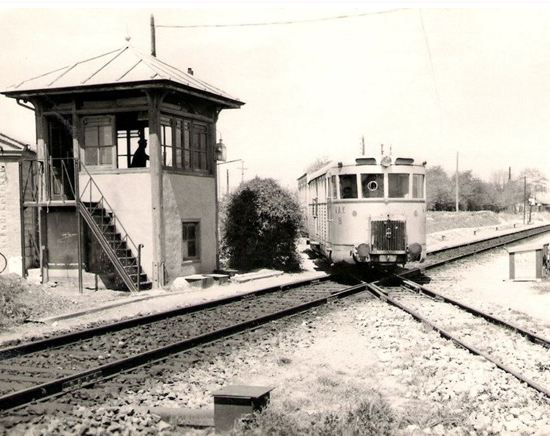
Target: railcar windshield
x=372 y=185
x=398 y=185
x=348 y=185
x=418 y=186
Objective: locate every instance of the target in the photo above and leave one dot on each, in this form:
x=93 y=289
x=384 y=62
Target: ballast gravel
x=327 y=361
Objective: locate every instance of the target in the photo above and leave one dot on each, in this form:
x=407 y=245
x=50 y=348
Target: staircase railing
x=47 y=183
x=98 y=204
x=31 y=179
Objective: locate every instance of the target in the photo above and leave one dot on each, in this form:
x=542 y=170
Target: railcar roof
x=362 y=161
x=124 y=66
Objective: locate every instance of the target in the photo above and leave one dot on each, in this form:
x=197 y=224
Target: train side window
x=334 y=188
x=418 y=186
x=348 y=186
x=398 y=185
x=372 y=185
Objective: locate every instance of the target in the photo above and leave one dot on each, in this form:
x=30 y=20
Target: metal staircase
x=123 y=253
x=56 y=182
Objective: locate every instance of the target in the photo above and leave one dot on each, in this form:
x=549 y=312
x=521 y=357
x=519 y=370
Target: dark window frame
x=190 y=237
x=99 y=124
x=189 y=146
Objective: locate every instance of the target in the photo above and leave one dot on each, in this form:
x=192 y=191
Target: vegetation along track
x=61 y=364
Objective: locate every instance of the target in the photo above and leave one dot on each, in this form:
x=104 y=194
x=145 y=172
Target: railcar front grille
x=388 y=235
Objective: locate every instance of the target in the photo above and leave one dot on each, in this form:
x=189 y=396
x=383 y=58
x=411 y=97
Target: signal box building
x=124 y=180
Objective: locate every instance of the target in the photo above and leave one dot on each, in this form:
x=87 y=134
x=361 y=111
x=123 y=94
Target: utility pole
x=153 y=38
x=524 y=196
x=227 y=172
x=456 y=182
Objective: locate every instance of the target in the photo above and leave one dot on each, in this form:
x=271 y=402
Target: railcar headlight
x=386 y=161
x=415 y=251
x=363 y=250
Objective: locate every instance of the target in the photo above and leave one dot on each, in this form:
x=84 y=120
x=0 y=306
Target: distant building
x=17 y=226
x=134 y=224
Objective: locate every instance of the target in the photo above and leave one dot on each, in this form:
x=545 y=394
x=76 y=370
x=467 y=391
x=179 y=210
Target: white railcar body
x=372 y=211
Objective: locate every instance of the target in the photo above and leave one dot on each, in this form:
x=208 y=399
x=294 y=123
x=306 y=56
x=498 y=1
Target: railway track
x=63 y=364
x=518 y=351
x=450 y=254
x=54 y=370
x=511 y=348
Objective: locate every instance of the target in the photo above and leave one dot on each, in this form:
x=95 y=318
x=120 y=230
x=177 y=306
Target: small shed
x=527 y=262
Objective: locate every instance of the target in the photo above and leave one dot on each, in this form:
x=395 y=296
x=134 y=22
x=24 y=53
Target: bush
x=260 y=227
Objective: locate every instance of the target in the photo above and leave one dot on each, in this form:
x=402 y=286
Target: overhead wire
x=281 y=23
x=429 y=54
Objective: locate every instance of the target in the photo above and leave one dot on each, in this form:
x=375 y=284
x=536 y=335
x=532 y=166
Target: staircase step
x=144 y=286
x=104 y=221
x=142 y=277
x=128 y=262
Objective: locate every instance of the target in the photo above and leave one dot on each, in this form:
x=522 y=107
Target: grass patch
x=370 y=417
x=12 y=309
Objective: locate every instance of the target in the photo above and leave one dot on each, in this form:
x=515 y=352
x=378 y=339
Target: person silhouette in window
x=140 y=158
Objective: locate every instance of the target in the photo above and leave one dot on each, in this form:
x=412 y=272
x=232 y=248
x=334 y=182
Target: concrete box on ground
x=527 y=262
x=231 y=403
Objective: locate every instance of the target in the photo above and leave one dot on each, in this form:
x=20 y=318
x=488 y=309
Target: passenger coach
x=371 y=211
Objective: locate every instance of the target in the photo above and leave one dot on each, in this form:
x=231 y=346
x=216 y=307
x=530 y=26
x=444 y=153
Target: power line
x=281 y=23
x=429 y=54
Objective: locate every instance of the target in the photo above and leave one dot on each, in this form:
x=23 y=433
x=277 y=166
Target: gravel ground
x=367 y=350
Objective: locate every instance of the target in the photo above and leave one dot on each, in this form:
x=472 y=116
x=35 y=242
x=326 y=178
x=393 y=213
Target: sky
x=440 y=84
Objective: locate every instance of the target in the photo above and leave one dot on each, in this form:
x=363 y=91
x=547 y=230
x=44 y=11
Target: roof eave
x=29 y=94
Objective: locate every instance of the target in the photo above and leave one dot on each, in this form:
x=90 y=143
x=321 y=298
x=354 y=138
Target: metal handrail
x=32 y=172
x=108 y=249
x=90 y=185
x=65 y=176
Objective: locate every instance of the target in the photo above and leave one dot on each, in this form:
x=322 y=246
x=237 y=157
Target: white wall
x=129 y=194
x=189 y=198
x=10 y=217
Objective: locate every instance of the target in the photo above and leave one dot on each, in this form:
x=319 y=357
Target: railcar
x=369 y=211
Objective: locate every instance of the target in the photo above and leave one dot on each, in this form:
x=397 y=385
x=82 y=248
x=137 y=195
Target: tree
x=261 y=227
x=320 y=162
x=508 y=193
x=439 y=189
x=536 y=182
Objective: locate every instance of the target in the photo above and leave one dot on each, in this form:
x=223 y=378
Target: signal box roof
x=118 y=69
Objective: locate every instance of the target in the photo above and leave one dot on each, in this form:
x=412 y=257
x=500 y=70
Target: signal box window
x=128 y=144
x=190 y=240
x=372 y=185
x=166 y=142
x=418 y=186
x=187 y=148
x=348 y=186
x=398 y=185
x=99 y=142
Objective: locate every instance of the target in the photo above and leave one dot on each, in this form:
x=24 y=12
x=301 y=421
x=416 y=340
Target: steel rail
x=377 y=292
x=91 y=376
x=531 y=336
x=69 y=338
x=521 y=234
x=502 y=240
